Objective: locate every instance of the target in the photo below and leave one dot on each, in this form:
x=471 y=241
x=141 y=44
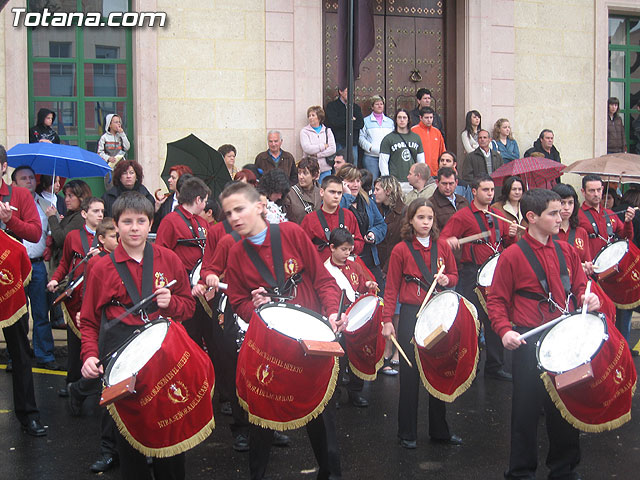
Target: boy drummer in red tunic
x=315 y=290
x=517 y=303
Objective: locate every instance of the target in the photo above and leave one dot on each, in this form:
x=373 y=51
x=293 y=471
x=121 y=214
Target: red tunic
x=463 y=223
x=214 y=261
x=317 y=291
x=104 y=285
x=622 y=229
x=311 y=225
x=514 y=272
x=72 y=253
x=356 y=275
x=401 y=262
x=25 y=222
x=173 y=228
x=581 y=243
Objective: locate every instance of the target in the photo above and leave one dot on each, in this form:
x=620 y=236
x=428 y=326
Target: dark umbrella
x=624 y=167
x=534 y=171
x=205 y=162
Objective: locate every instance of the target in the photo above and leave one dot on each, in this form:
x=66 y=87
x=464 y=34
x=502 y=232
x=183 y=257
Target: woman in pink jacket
x=317 y=140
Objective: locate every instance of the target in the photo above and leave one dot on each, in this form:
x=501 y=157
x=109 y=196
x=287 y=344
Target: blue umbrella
x=54 y=159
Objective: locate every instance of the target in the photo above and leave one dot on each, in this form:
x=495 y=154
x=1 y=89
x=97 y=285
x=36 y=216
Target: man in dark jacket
x=275 y=157
x=482 y=160
x=336 y=120
x=424 y=100
x=444 y=200
x=544 y=145
x=42 y=131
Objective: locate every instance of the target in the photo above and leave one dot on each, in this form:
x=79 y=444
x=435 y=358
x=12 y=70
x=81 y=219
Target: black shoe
x=280 y=439
x=452 y=440
x=358 y=400
x=34 y=428
x=74 y=401
x=225 y=409
x=499 y=375
x=408 y=444
x=241 y=443
x=59 y=325
x=52 y=365
x=9 y=368
x=105 y=463
x=634 y=353
x=63 y=392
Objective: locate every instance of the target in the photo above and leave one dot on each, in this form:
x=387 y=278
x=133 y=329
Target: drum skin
x=482 y=287
x=365 y=345
x=171 y=410
x=623 y=286
x=604 y=402
x=277 y=384
x=448 y=369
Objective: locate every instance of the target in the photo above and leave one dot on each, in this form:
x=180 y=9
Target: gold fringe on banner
x=163 y=452
x=363 y=375
x=299 y=422
x=7 y=322
x=579 y=424
x=71 y=323
x=481 y=299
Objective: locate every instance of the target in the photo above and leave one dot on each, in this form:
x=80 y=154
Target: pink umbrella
x=536 y=172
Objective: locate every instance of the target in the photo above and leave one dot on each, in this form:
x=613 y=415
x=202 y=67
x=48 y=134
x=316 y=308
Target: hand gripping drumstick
x=430 y=291
x=504 y=219
x=550 y=324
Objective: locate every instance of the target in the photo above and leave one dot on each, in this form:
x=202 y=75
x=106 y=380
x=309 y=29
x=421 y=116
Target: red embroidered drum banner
x=277 y=384
x=603 y=402
x=363 y=338
x=15 y=273
x=623 y=286
x=171 y=410
x=449 y=367
x=606 y=305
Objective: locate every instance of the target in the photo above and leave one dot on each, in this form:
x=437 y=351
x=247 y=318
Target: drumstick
x=532 y=332
x=340 y=308
x=587 y=292
x=623 y=211
x=430 y=291
x=504 y=219
x=473 y=238
x=404 y=355
x=13 y=208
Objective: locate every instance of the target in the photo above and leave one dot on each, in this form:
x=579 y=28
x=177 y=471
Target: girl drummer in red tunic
x=570 y=229
x=407 y=284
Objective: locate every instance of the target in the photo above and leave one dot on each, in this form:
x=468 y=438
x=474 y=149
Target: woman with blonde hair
x=503 y=141
x=376 y=127
x=317 y=141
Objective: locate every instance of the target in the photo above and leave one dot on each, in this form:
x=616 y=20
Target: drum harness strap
x=542 y=278
x=196 y=237
x=280 y=289
x=483 y=228
x=132 y=290
x=84 y=239
x=228 y=229
x=325 y=226
x=572 y=236
x=594 y=225
x=427 y=274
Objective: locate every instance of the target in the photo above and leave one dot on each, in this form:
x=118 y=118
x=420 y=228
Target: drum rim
x=295 y=306
x=595 y=259
x=460 y=299
x=351 y=306
x=198 y=264
x=132 y=337
x=497 y=254
x=605 y=337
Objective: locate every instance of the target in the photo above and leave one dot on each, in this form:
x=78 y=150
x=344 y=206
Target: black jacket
x=40 y=131
x=537 y=147
x=336 y=120
x=163 y=211
x=114 y=192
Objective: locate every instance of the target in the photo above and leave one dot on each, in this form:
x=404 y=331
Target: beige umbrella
x=623 y=167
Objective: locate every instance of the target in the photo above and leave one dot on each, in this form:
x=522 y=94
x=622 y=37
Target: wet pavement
x=367 y=439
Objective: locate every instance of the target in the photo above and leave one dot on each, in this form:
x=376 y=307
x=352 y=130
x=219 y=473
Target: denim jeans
x=623 y=323
x=323 y=174
x=371 y=164
x=37 y=292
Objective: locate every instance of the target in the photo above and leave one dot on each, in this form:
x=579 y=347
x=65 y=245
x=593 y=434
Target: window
x=624 y=69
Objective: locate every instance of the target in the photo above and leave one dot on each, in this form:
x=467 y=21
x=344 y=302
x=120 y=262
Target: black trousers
x=495 y=349
x=90 y=389
x=74 y=362
x=322 y=435
x=133 y=464
x=355 y=383
x=24 y=400
x=529 y=396
x=410 y=387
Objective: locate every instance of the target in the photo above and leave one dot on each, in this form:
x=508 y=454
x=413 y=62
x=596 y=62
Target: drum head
x=136 y=353
x=441 y=310
x=195 y=273
x=295 y=322
x=571 y=342
x=361 y=312
x=610 y=256
x=485 y=274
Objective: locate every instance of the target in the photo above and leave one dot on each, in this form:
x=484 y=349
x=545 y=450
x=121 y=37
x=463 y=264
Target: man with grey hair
x=275 y=157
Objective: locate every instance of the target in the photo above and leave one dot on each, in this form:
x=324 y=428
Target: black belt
x=37 y=259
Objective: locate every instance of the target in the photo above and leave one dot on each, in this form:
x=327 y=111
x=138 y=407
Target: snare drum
x=446 y=345
x=170 y=410
x=618 y=271
x=588 y=371
x=363 y=338
x=484 y=279
x=194 y=276
x=280 y=386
